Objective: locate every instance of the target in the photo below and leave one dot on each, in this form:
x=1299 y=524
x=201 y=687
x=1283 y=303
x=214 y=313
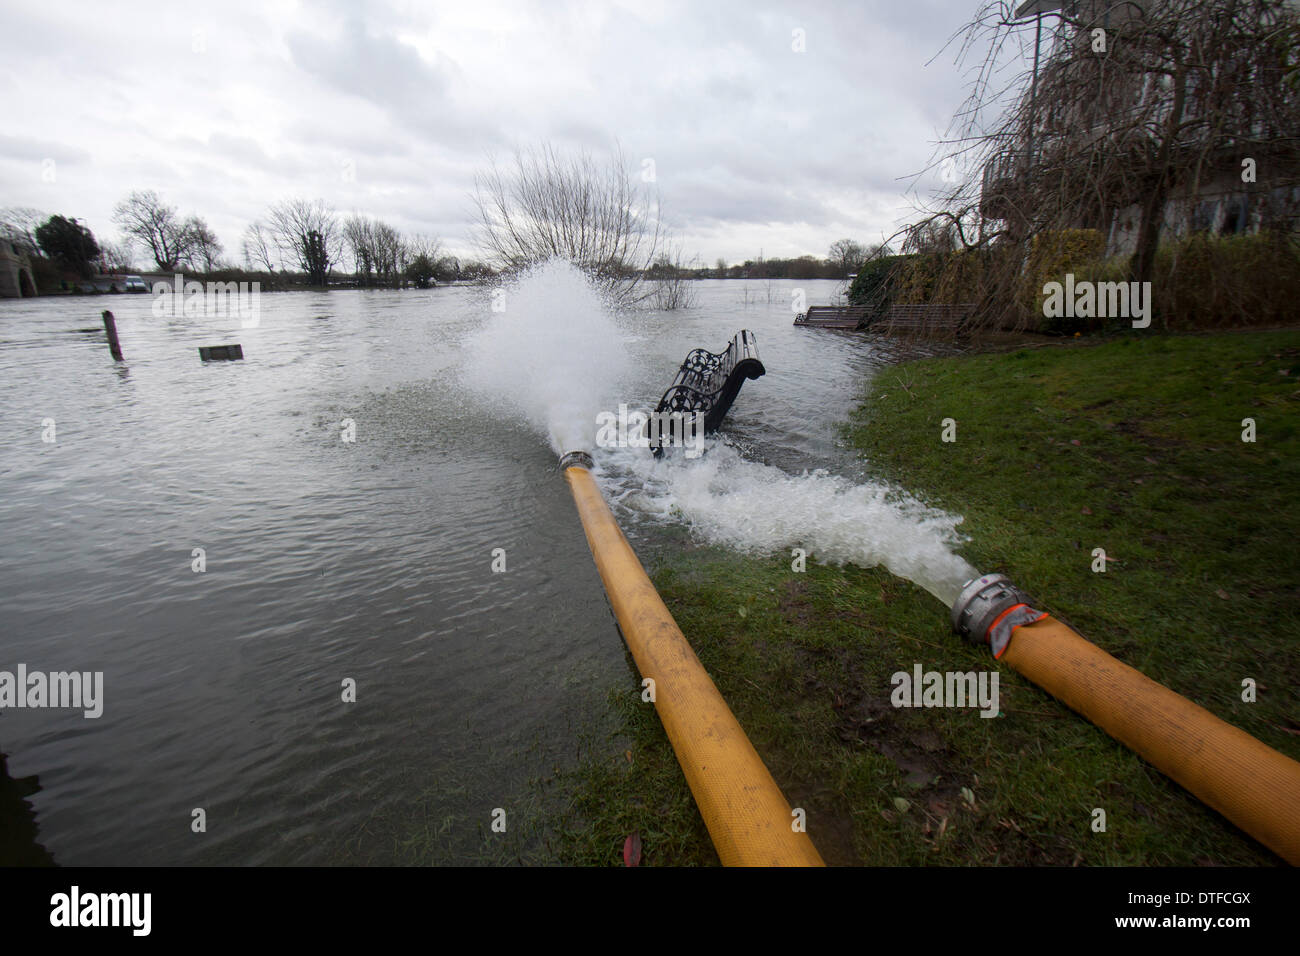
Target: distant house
x=1102 y=123
x=110 y=282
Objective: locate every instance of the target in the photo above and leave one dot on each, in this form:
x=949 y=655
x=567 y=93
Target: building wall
x=16 y=279
x=1224 y=205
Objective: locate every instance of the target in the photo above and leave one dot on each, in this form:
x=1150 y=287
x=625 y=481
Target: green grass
x=1134 y=446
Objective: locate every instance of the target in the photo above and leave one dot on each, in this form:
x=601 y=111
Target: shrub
x=1207 y=281
x=876 y=282
x=1200 y=281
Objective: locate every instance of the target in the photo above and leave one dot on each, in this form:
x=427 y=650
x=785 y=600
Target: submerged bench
x=923 y=318
x=914 y=319
x=708 y=382
x=834 y=316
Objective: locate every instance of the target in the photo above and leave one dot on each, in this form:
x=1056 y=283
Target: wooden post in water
x=110 y=326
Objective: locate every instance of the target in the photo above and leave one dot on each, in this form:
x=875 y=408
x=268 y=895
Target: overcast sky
x=390 y=107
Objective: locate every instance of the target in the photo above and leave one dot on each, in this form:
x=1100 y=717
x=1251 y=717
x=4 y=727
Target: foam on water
x=551 y=355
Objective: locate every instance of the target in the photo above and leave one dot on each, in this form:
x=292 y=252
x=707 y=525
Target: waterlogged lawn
x=1133 y=446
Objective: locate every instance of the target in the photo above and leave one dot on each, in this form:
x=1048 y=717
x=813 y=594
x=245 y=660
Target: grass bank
x=1133 y=445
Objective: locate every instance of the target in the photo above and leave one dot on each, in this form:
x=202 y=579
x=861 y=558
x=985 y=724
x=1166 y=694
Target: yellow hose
x=1247 y=781
x=749 y=820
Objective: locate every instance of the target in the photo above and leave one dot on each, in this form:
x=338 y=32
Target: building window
x=1283 y=207
x=1234 y=216
x=1205 y=216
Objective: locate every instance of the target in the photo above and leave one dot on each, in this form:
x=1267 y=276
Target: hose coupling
x=989 y=609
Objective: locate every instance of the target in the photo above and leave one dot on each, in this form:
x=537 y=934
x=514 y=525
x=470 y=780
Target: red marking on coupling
x=998 y=620
x=998 y=643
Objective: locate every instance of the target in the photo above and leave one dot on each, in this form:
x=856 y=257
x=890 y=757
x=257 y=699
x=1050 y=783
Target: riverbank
x=1132 y=445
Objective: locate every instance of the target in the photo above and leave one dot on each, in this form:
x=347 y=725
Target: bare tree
x=847 y=255
x=118 y=257
x=308 y=233
x=576 y=208
x=258 y=245
x=202 y=247
x=358 y=236
x=144 y=217
x=421 y=244
x=670 y=281
x=392 y=253
x=379 y=253
x=425 y=261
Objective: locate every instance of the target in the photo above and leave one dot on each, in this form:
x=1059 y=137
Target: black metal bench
x=708 y=382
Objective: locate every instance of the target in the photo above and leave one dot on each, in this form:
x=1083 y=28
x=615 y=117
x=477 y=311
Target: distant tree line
x=844 y=259
x=297 y=242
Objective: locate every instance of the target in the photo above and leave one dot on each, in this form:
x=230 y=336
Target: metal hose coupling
x=576 y=459
x=989 y=609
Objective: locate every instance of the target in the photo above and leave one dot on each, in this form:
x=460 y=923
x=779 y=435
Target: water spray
x=1250 y=783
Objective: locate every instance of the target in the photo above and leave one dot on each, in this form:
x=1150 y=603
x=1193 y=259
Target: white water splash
x=552 y=355
x=758 y=509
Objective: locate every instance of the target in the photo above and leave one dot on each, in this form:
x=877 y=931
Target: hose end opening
x=576 y=459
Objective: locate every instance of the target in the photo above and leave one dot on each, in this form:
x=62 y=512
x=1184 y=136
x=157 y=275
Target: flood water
x=327 y=560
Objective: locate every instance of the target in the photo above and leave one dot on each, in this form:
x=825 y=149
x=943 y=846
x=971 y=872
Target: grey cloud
x=38 y=150
x=377 y=68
